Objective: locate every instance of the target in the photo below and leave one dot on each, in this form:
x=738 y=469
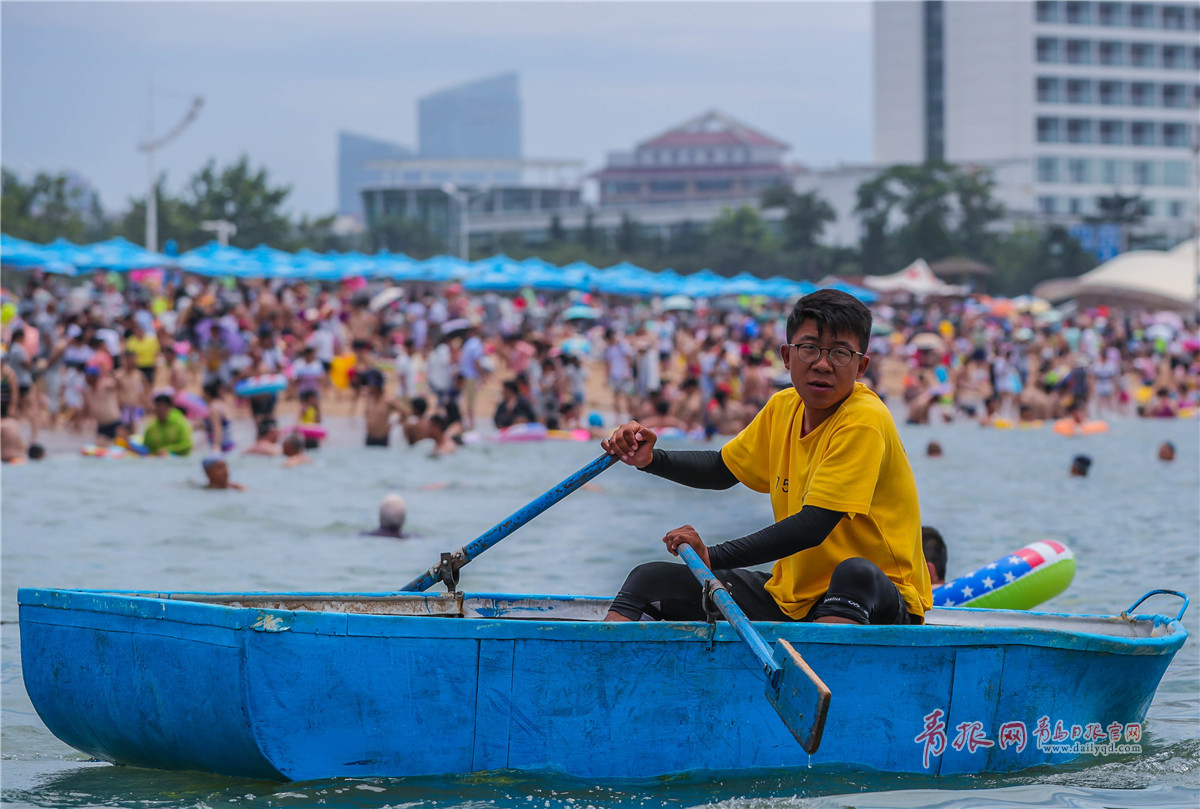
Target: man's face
x=822 y=385
x=162 y=410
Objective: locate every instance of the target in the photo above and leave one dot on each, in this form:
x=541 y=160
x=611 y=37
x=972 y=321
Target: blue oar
x=796 y=692
x=447 y=569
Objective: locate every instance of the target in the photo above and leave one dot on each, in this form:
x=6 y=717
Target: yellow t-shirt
x=852 y=462
x=145 y=348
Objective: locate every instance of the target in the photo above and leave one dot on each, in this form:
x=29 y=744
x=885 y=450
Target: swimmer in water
x=293 y=450
x=1080 y=465
x=392 y=513
x=12 y=442
x=217 y=472
x=935 y=554
x=1166 y=451
x=934 y=450
x=268 y=439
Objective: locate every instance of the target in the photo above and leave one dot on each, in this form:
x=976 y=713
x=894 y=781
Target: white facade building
x=1095 y=98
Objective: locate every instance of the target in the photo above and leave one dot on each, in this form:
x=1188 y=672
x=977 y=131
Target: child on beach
x=131 y=391
x=102 y=403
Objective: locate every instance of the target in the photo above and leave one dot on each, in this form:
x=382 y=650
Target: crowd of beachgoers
x=170 y=362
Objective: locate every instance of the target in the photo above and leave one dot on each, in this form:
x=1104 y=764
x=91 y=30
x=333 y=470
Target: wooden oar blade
x=801 y=699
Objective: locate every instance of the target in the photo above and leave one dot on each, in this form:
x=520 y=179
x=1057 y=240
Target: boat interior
x=585 y=608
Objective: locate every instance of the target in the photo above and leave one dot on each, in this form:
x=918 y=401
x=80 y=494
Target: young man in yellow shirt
x=846 y=543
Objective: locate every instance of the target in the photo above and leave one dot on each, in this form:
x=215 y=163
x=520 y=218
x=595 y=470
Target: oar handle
x=509 y=524
x=729 y=608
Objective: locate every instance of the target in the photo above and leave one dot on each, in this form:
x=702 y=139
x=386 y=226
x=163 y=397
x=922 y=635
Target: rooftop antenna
x=152 y=145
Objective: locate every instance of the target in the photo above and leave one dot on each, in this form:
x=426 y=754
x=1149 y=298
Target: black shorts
x=667 y=591
x=109 y=430
x=377 y=440
x=262 y=405
x=148 y=373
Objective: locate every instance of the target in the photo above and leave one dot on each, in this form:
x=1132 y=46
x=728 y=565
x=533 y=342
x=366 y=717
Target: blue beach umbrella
x=21 y=254
x=864 y=295
x=121 y=254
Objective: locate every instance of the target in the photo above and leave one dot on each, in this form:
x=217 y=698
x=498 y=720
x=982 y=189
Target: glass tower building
x=481 y=119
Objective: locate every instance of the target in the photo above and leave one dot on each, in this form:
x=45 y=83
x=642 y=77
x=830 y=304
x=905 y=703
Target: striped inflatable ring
x=1020 y=581
x=260 y=385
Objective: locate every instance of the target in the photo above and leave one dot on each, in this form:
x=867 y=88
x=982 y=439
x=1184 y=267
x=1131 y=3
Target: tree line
x=930 y=211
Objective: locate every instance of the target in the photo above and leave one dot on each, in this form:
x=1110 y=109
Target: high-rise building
x=1095 y=97
x=353 y=173
x=481 y=119
x=711 y=157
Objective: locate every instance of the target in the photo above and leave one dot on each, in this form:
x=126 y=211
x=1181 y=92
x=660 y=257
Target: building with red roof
x=711 y=157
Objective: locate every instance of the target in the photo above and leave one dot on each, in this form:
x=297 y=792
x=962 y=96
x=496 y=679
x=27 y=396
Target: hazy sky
x=280 y=79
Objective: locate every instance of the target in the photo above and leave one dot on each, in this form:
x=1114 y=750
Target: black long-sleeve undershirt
x=706 y=469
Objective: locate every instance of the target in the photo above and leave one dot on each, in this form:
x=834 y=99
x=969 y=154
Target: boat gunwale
x=1167 y=633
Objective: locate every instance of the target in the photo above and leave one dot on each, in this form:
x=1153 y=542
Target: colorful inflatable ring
x=531 y=431
x=133 y=444
x=1035 y=573
x=95 y=451
x=315 y=431
x=192 y=405
x=261 y=385
x=674 y=433
x=569 y=435
x=1071 y=427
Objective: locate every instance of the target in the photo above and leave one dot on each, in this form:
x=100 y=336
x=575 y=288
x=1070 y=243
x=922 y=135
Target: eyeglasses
x=809 y=353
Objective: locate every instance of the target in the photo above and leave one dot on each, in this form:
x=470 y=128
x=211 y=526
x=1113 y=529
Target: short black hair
x=419 y=405
x=164 y=398
x=835 y=311
x=265 y=426
x=36 y=452
x=935 y=549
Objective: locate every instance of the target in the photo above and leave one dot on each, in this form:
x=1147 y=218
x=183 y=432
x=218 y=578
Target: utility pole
x=152 y=193
x=150 y=147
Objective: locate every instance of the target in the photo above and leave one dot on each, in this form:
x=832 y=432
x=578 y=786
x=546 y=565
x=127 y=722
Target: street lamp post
x=150 y=147
x=221 y=228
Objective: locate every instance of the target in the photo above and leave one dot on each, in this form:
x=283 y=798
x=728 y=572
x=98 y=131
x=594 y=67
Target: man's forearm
x=700 y=469
x=805 y=529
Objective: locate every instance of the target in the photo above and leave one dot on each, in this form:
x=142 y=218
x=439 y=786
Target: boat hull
x=329 y=687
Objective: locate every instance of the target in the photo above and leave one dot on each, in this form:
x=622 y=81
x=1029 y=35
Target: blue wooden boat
x=301 y=686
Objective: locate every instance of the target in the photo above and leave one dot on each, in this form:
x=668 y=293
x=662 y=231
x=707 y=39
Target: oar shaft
x=514 y=521
x=729 y=608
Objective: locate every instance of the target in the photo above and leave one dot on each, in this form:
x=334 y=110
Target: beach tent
x=1154 y=278
x=916 y=279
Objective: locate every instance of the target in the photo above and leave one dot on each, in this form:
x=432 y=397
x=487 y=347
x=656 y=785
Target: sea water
x=76 y=522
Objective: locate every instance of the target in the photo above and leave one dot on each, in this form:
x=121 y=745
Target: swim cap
x=208 y=462
x=595 y=419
